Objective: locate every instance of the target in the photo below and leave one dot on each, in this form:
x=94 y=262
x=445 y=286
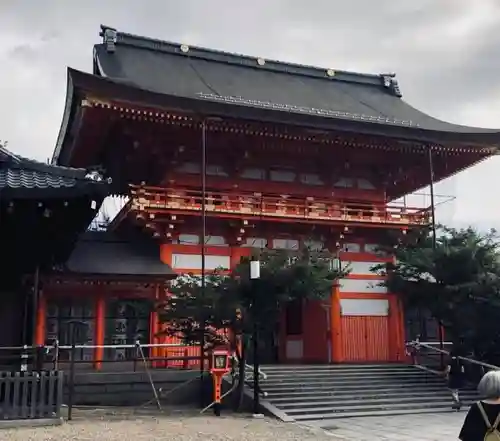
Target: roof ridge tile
x=112 y=38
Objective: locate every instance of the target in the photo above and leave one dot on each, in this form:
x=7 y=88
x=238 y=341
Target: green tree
x=232 y=302
x=457 y=281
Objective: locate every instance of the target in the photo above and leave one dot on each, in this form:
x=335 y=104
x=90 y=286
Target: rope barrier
x=417 y=345
x=148 y=373
x=125 y=346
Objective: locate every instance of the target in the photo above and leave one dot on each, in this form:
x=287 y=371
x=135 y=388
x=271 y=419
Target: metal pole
x=431 y=185
x=203 y=241
x=255 y=337
x=36 y=289
x=71 y=385
x=433 y=226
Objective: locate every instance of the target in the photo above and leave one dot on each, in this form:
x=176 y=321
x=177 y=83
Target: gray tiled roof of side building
x=17 y=172
x=104 y=253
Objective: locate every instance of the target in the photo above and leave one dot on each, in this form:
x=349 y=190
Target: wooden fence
x=31 y=395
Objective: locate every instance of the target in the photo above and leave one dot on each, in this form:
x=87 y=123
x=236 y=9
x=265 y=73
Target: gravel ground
x=178 y=426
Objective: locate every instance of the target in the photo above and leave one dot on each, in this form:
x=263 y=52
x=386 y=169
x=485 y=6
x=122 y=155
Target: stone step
x=333 y=384
x=337 y=371
x=352 y=378
x=288 y=367
x=273 y=390
x=333 y=368
x=340 y=412
x=361 y=378
x=325 y=393
x=332 y=396
x=306 y=405
x=336 y=366
x=348 y=374
x=327 y=422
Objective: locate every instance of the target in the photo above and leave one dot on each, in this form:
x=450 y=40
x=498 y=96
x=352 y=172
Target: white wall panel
x=285 y=244
x=364 y=307
x=311 y=179
x=193 y=239
x=255 y=242
x=364 y=184
x=351 y=247
x=253 y=173
x=364 y=286
x=188 y=239
x=213 y=262
x=215 y=241
x=189 y=167
x=282 y=176
x=314 y=245
x=215 y=170
x=344 y=183
x=361 y=267
x=374 y=248
x=371 y=248
x=193 y=261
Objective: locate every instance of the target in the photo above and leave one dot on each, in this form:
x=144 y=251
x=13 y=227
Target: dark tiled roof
x=21 y=177
x=102 y=253
x=207 y=75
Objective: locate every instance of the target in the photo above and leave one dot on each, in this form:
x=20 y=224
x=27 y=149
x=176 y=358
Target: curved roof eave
x=127 y=92
x=67 y=116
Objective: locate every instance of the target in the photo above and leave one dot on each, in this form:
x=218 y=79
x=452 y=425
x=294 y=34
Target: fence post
x=24 y=359
x=39 y=358
x=59 y=392
x=56 y=355
x=71 y=385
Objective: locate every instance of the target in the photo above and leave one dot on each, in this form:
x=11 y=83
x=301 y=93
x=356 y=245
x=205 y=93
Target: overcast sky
x=446 y=54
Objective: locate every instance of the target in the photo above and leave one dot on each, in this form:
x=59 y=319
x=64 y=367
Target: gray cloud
x=446 y=55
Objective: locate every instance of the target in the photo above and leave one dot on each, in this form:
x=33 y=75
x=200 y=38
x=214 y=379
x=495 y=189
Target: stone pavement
x=419 y=427
x=124 y=425
x=178 y=426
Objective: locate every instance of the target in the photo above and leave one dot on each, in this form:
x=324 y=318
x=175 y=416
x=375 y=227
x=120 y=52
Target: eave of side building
x=106 y=255
x=23 y=178
x=43 y=209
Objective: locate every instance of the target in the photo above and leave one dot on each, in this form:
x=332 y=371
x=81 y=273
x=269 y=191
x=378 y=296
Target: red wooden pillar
x=402 y=328
x=395 y=341
x=336 y=324
x=154 y=327
x=41 y=317
x=237 y=252
x=100 y=318
x=166 y=253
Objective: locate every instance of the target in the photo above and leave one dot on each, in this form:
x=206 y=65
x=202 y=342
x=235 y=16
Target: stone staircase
x=312 y=393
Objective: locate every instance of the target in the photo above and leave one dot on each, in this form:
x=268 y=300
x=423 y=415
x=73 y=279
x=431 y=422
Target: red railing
x=156 y=199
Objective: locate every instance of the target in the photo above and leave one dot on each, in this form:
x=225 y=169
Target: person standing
x=455 y=372
x=483 y=419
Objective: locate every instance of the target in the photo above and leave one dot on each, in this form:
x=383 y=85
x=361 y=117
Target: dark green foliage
x=229 y=299
x=458 y=282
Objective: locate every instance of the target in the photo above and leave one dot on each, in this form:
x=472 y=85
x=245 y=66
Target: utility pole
x=203 y=241
x=255 y=276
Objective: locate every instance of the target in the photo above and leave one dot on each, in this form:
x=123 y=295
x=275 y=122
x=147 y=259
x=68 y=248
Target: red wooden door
x=377 y=338
x=353 y=338
x=365 y=338
x=315 y=333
